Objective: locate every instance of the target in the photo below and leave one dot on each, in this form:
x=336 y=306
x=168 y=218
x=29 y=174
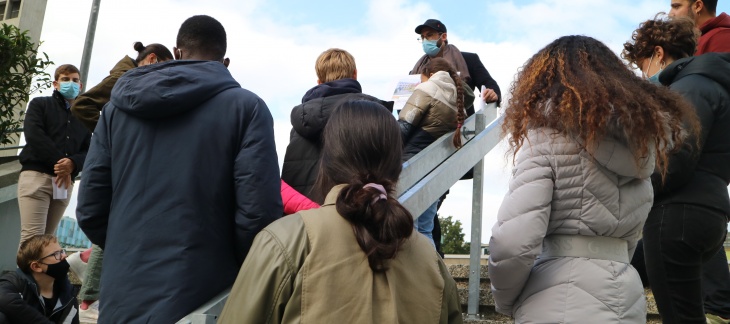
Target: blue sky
x=273 y=46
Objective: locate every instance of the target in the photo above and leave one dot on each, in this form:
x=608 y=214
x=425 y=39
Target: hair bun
x=138 y=46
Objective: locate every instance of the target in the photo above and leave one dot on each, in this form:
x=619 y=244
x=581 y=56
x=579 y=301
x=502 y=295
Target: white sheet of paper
x=479 y=102
x=59 y=192
x=403 y=90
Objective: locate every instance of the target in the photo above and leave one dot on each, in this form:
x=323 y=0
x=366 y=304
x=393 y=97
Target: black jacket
x=702 y=177
x=181 y=175
x=479 y=77
x=21 y=302
x=52 y=133
x=301 y=161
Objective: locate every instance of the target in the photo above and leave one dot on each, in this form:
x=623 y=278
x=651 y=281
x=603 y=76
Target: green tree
x=452 y=237
x=22 y=73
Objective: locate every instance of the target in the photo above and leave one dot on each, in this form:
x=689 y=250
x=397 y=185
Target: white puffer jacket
x=560 y=188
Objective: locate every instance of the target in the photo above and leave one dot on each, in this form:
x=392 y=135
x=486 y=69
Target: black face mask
x=58 y=271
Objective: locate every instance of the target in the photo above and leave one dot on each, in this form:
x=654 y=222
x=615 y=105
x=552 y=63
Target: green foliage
x=452 y=238
x=22 y=73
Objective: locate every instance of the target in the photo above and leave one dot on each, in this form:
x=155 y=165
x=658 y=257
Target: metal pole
x=89 y=43
x=475 y=252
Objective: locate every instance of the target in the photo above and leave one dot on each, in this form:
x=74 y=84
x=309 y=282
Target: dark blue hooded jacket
x=181 y=175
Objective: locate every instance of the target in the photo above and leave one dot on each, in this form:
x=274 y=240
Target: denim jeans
x=678 y=241
x=424 y=223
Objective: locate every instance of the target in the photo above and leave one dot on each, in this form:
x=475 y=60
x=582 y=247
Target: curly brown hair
x=677 y=36
x=579 y=87
x=440 y=64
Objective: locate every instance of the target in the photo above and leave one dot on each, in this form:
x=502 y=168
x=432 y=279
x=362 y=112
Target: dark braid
x=460 y=114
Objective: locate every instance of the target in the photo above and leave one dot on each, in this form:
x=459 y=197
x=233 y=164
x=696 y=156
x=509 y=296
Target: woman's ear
x=659 y=53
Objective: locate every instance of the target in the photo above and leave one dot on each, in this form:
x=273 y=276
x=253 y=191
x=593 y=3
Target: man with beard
x=715 y=28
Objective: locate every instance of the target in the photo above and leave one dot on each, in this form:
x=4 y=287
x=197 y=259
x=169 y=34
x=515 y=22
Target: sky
x=273 y=46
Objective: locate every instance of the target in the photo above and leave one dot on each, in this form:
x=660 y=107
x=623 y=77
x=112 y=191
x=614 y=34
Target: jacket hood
x=171 y=88
x=309 y=118
x=332 y=88
x=617 y=157
x=611 y=152
x=124 y=65
x=715 y=66
x=441 y=87
x=721 y=21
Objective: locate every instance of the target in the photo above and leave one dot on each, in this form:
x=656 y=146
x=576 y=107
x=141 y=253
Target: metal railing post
x=475 y=253
x=89 y=43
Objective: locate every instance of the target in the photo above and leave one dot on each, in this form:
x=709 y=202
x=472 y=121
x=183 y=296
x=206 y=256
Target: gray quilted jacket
x=558 y=187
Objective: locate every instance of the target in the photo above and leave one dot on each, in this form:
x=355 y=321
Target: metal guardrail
x=16 y=147
x=425 y=177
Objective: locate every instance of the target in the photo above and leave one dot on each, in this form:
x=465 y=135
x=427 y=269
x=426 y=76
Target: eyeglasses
x=428 y=36
x=56 y=255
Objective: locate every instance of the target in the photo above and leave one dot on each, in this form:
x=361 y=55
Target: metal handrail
x=425 y=177
x=17 y=147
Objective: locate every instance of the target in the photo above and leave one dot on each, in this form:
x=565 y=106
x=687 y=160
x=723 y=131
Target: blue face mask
x=430 y=47
x=655 y=78
x=69 y=90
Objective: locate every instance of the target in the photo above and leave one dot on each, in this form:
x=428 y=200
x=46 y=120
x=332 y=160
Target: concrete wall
x=9 y=234
x=9 y=213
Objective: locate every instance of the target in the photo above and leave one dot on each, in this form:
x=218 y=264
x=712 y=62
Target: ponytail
x=380 y=223
x=365 y=158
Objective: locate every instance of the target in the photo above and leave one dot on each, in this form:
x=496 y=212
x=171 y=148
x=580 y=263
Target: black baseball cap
x=435 y=24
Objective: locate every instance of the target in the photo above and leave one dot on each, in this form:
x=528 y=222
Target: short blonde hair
x=334 y=64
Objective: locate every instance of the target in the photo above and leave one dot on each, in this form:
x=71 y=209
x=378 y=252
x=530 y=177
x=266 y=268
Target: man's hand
x=64 y=181
x=64 y=167
x=488 y=95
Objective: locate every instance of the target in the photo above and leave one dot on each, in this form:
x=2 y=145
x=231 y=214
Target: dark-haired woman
x=86 y=108
x=354 y=260
x=435 y=108
x=88 y=105
x=688 y=222
x=586 y=134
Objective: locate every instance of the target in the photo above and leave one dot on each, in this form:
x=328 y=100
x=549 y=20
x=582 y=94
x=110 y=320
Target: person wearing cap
x=434 y=39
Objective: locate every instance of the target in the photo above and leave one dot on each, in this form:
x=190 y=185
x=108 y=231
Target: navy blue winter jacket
x=181 y=175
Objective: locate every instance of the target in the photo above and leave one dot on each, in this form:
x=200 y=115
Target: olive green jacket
x=308 y=268
x=88 y=105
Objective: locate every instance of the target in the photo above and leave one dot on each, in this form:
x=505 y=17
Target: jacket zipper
x=62 y=307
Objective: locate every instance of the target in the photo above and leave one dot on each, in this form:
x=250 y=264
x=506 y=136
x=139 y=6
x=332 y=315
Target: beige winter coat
x=429 y=113
x=559 y=188
x=308 y=268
